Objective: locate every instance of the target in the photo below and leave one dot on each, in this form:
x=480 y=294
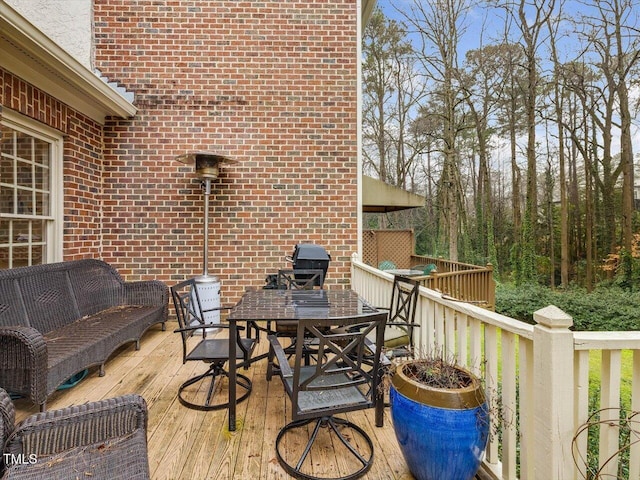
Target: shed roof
x=378 y=196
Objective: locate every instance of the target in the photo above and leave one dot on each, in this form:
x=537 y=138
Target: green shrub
x=606 y=308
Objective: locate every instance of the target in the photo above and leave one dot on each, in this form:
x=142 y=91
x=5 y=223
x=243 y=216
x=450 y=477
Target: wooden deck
x=192 y=445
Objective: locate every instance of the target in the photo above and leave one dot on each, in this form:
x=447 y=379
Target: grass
x=626 y=374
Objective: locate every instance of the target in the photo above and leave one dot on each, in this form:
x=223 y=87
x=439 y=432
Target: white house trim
x=28 y=53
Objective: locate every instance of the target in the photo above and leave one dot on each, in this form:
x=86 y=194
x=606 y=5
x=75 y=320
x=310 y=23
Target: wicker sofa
x=105 y=440
x=58 y=319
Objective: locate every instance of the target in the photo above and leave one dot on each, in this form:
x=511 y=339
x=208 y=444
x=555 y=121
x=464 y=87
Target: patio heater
x=207 y=168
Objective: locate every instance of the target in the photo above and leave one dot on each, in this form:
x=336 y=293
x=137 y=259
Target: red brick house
x=89 y=170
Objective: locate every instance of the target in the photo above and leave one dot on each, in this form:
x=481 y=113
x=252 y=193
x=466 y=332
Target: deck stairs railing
x=462 y=281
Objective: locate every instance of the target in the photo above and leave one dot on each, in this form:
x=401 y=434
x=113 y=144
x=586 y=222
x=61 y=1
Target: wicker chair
x=106 y=440
x=58 y=319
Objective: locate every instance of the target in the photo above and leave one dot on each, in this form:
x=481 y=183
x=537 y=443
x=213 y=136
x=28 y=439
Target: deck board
x=189 y=444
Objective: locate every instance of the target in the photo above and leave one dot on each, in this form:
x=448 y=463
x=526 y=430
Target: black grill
x=309 y=255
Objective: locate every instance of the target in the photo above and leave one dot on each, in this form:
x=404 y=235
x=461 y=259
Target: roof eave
x=367 y=9
x=31 y=55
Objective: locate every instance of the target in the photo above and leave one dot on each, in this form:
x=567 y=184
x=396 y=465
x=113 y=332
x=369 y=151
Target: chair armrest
x=218 y=309
x=283 y=362
x=23 y=362
x=384 y=361
x=7 y=420
x=205 y=326
x=56 y=431
x=403 y=324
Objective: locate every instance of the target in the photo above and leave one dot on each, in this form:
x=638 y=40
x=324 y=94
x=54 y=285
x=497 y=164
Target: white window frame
x=55 y=224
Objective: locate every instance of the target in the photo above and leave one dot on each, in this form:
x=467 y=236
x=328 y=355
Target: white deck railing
x=536 y=376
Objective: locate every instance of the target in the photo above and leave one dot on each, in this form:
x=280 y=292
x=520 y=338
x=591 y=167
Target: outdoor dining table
x=405 y=272
x=264 y=305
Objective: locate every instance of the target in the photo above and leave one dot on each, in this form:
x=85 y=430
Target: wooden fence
x=461 y=281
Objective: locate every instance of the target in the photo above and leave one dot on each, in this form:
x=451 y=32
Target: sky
x=480 y=18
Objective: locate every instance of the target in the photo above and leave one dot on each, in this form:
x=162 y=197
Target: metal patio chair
x=401 y=313
x=199 y=392
x=344 y=379
x=288 y=279
x=301 y=279
x=398 y=336
x=400 y=323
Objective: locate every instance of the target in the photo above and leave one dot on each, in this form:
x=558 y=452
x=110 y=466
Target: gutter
x=29 y=54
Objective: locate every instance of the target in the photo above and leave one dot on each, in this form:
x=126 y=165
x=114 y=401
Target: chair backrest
x=300 y=279
x=50 y=296
x=186 y=302
x=346 y=375
x=404 y=299
x=7 y=422
x=386 y=265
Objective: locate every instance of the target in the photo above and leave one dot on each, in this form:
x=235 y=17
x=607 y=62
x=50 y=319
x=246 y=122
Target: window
x=30 y=192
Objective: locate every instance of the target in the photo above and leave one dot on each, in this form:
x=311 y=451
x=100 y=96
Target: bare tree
x=611 y=45
x=615 y=34
x=440 y=25
x=530 y=18
x=558 y=98
x=583 y=126
x=392 y=89
x=480 y=82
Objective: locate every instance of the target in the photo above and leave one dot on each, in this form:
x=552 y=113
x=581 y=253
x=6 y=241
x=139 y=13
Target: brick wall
x=271 y=83
x=82 y=162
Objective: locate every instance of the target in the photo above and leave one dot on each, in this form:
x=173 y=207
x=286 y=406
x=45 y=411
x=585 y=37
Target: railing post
x=491 y=288
x=553 y=394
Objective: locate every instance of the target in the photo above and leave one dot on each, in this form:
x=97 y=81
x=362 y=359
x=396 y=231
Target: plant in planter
x=440 y=416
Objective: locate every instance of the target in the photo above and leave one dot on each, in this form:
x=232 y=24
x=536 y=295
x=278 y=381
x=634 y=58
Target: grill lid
x=309 y=251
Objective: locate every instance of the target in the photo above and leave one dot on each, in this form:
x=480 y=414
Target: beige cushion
x=394 y=337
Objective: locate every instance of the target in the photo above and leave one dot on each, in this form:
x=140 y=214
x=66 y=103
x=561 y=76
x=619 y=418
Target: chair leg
x=362 y=457
x=215 y=371
x=379 y=412
x=270 y=365
x=380 y=402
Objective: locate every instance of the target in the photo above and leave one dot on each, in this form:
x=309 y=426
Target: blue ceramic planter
x=439 y=442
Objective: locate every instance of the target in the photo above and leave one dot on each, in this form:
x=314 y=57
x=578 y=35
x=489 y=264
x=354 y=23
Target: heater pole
x=206 y=187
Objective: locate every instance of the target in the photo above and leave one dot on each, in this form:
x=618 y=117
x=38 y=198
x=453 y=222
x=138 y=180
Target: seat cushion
x=394 y=337
x=327 y=397
x=217 y=349
x=92 y=339
x=122 y=458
